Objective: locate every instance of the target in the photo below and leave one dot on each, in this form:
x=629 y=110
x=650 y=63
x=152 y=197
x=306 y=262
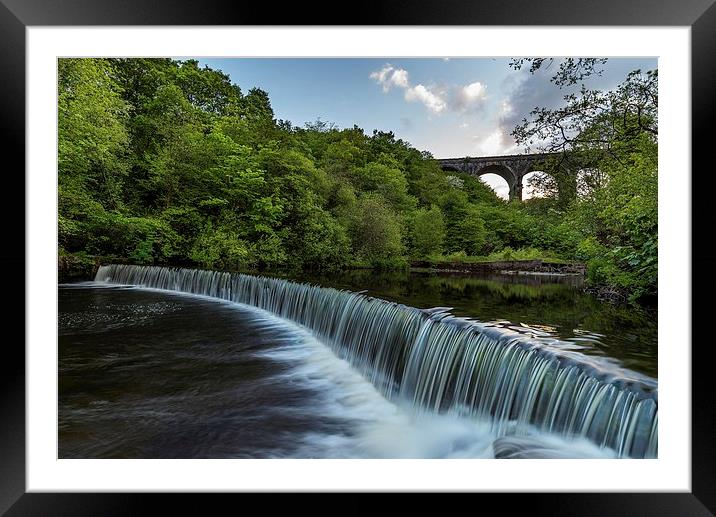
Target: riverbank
x=77 y=267
x=515 y=267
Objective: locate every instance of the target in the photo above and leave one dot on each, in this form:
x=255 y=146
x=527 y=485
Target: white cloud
x=432 y=100
x=495 y=144
x=470 y=97
x=389 y=76
x=464 y=125
x=435 y=99
x=400 y=78
x=380 y=76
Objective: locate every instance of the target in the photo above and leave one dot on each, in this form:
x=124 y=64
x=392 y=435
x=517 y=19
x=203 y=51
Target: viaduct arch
x=513 y=168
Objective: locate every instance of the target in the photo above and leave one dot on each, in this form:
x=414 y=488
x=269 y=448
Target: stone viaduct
x=512 y=168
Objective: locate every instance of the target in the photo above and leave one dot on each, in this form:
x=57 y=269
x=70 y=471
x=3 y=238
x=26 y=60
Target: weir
x=441 y=363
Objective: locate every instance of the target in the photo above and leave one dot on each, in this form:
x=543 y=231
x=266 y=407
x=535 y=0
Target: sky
x=452 y=107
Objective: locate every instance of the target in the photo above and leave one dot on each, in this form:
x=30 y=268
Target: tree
x=593 y=125
x=571 y=70
x=375 y=230
x=220 y=248
x=388 y=181
x=472 y=232
x=428 y=232
x=92 y=139
x=611 y=138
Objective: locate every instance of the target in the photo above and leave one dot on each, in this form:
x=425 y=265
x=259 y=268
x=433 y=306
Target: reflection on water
x=545 y=306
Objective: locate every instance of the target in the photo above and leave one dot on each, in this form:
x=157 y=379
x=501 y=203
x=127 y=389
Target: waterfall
x=442 y=363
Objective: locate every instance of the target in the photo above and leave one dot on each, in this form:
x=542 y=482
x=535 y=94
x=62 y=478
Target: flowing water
x=295 y=370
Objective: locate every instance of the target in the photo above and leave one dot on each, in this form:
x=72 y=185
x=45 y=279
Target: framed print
x=379 y=257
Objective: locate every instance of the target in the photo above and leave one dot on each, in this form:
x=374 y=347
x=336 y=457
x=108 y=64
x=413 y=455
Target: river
x=145 y=373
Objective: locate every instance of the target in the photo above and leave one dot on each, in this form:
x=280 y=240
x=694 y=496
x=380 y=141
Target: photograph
x=358 y=257
x=447 y=249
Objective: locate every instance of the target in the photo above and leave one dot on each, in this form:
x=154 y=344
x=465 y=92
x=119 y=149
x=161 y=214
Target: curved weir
x=442 y=363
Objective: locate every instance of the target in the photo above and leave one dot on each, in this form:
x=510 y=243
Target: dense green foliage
x=164 y=162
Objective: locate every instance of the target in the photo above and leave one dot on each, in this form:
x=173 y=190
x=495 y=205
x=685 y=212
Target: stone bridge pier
x=513 y=168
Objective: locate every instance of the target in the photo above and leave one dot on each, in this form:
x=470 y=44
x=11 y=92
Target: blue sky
x=451 y=107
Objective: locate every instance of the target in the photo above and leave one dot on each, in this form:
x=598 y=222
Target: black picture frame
x=16 y=15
